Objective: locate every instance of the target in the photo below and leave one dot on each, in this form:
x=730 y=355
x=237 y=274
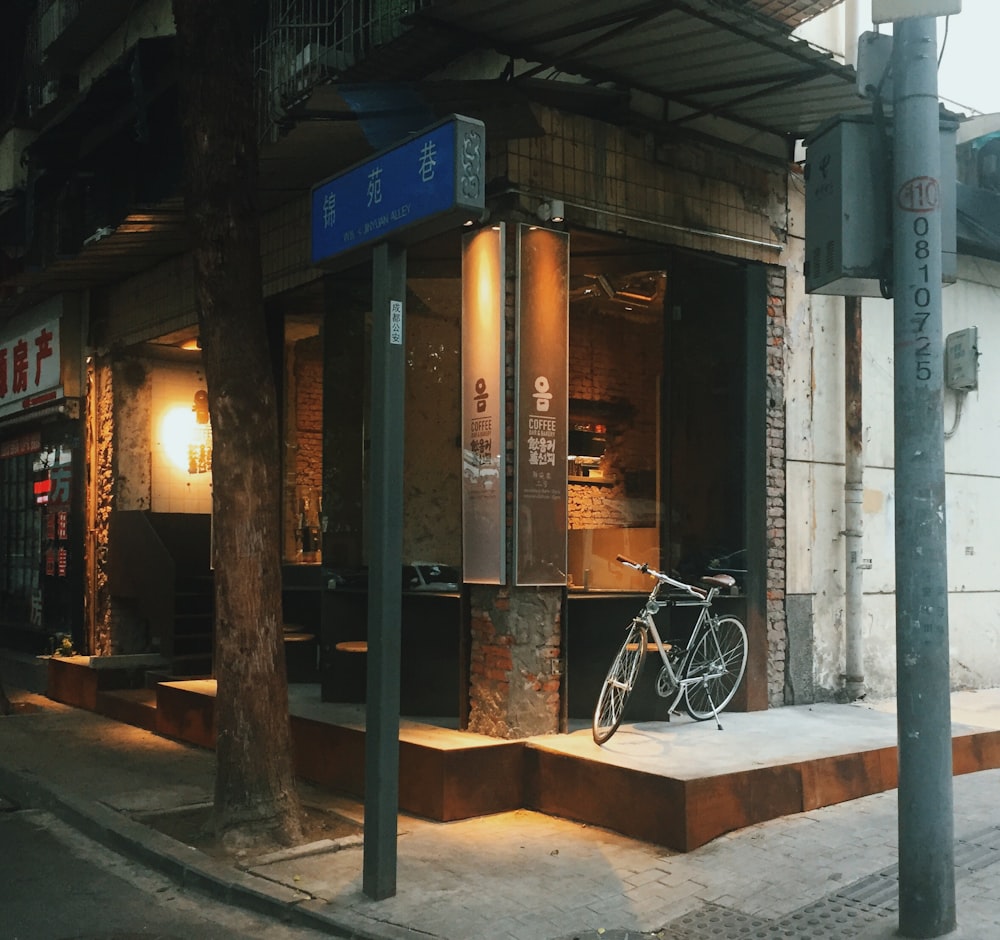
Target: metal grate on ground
x=839 y=916
x=828 y=919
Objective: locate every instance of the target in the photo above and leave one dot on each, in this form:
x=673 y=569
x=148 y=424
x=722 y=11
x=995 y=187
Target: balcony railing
x=311 y=41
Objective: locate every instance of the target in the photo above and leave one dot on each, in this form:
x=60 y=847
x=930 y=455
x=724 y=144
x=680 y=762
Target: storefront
x=41 y=481
x=662 y=460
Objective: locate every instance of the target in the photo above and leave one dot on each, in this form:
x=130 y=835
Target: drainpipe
x=854 y=678
x=852 y=30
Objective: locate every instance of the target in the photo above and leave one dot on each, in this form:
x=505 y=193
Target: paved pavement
x=829 y=873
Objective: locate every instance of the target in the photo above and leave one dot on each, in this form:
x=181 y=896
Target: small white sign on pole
x=886 y=11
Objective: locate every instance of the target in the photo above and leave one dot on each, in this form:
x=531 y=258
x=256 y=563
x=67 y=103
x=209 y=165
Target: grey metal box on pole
x=848 y=225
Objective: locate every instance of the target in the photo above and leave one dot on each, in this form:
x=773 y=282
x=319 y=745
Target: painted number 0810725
x=920 y=196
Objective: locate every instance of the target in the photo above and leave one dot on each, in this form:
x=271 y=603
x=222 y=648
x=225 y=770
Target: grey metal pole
x=854 y=464
x=385 y=568
x=926 y=824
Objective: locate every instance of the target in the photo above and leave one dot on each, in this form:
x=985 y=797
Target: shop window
x=657 y=386
x=303 y=441
x=616 y=342
x=20 y=541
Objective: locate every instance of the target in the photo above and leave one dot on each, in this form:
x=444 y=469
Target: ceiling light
x=554 y=211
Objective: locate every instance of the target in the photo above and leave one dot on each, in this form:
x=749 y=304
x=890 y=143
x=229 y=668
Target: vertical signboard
x=541 y=406
x=484 y=503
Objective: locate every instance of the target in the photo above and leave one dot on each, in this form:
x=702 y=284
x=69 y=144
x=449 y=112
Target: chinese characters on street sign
x=435 y=177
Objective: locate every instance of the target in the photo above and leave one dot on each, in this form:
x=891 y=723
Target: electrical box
x=961 y=360
x=848 y=223
x=874 y=58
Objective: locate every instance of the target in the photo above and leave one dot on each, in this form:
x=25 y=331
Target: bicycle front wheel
x=718 y=659
x=619 y=683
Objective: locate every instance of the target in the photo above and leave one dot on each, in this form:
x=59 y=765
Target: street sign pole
x=926 y=825
x=420 y=187
x=386 y=564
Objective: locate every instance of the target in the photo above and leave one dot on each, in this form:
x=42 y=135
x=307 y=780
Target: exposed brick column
x=515 y=672
x=777 y=639
x=101 y=454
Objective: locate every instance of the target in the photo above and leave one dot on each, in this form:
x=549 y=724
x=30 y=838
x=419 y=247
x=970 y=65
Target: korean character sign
x=540 y=516
x=484 y=439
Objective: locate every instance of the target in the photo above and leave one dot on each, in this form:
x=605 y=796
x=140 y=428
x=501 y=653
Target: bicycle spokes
x=717 y=663
x=619 y=683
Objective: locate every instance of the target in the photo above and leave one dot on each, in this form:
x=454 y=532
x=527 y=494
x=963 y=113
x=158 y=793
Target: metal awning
x=144 y=238
x=707 y=59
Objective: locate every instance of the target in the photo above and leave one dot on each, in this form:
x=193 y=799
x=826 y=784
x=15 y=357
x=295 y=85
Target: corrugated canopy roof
x=791 y=13
x=708 y=59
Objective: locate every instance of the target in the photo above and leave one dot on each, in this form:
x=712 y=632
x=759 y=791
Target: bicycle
x=706 y=671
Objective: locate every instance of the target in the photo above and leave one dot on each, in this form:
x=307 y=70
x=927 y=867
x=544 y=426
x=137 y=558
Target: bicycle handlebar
x=717 y=581
x=662 y=577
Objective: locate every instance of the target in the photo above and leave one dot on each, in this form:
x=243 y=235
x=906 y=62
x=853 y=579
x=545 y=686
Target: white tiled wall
x=174 y=489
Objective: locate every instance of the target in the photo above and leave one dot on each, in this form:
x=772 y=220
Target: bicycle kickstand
x=715 y=711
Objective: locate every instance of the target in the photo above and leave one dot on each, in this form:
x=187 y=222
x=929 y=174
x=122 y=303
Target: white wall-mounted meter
x=961 y=360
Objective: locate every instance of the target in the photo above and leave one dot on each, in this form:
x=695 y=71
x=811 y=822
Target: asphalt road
x=56 y=884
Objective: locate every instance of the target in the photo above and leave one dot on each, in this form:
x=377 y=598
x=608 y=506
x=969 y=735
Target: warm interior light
x=186 y=442
x=191 y=344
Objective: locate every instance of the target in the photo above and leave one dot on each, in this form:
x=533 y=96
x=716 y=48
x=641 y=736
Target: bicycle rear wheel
x=720 y=656
x=619 y=683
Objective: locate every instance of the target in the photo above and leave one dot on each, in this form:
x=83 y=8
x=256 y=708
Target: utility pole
x=926 y=824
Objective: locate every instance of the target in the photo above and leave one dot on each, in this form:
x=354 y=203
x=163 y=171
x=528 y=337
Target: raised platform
x=678 y=784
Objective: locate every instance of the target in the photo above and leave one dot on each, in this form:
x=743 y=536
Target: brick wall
x=303 y=440
x=614 y=364
x=515 y=663
x=777 y=641
x=100 y=443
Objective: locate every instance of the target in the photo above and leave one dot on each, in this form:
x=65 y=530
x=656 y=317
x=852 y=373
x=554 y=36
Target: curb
x=188 y=867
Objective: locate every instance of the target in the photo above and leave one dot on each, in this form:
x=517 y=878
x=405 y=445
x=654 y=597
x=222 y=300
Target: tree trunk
x=255 y=793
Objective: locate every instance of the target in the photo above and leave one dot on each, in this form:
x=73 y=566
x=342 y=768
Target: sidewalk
x=829 y=873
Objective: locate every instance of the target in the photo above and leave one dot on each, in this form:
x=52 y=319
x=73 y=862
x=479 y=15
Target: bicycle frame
x=691 y=598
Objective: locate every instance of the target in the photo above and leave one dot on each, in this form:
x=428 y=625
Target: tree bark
x=255 y=794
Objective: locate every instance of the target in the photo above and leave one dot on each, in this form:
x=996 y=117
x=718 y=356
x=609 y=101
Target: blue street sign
x=407 y=192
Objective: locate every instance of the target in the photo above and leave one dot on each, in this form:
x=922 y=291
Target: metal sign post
x=384 y=598
x=422 y=186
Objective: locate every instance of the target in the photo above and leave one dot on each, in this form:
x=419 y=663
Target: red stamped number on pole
x=920 y=194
